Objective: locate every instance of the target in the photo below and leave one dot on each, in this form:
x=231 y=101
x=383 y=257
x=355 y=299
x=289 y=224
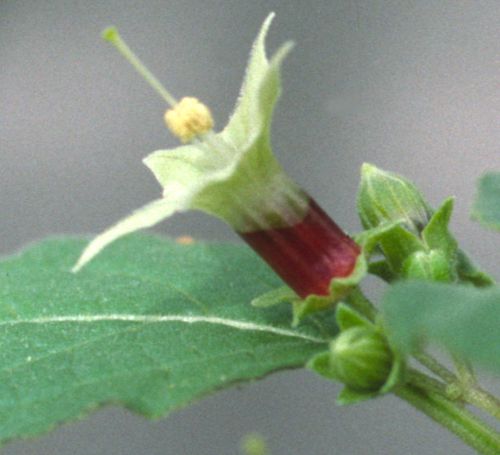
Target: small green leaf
x=464 y=319
x=486 y=207
x=151 y=324
x=436 y=234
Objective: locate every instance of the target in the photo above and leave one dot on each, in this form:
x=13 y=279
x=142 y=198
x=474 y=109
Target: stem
x=426 y=382
x=465 y=373
x=435 y=367
x=438 y=401
x=483 y=400
x=457 y=419
x=111 y=34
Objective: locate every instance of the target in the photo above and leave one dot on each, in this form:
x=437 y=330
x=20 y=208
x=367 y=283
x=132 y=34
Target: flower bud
x=432 y=265
x=385 y=197
x=361 y=358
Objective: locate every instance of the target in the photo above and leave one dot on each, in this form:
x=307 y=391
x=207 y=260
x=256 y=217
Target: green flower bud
x=361 y=358
x=432 y=265
x=385 y=197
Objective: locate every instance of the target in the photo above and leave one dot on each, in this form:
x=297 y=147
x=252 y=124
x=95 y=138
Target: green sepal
x=320 y=363
x=348 y=396
x=397 y=374
x=283 y=294
x=396 y=377
x=369 y=238
x=436 y=234
x=382 y=269
x=348 y=317
x=396 y=244
x=431 y=265
x=469 y=273
x=339 y=289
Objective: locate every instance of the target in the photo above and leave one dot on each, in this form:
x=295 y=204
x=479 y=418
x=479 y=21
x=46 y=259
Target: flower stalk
x=456 y=418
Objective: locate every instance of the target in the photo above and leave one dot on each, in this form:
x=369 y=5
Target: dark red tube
x=308 y=254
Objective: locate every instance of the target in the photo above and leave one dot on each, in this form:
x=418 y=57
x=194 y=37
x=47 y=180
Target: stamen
x=188 y=119
x=111 y=34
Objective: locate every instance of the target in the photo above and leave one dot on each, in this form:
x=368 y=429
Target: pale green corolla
x=232 y=174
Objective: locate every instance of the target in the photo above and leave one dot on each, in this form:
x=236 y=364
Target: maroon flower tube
x=308 y=254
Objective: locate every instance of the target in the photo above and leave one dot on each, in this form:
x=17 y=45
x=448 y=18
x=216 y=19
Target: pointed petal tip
x=282 y=52
x=261 y=37
x=267 y=21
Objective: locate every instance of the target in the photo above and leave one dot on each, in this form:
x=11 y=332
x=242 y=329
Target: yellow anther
x=189 y=118
x=184 y=240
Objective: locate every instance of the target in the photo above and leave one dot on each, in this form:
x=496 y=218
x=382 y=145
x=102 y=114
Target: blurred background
x=411 y=86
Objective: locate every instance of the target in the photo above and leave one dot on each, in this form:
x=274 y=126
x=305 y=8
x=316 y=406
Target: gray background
x=407 y=85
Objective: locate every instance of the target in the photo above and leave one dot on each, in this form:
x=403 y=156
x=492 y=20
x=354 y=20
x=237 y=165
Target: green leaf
x=151 y=324
x=463 y=319
x=486 y=207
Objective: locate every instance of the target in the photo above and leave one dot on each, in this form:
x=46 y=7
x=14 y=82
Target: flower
x=234 y=176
